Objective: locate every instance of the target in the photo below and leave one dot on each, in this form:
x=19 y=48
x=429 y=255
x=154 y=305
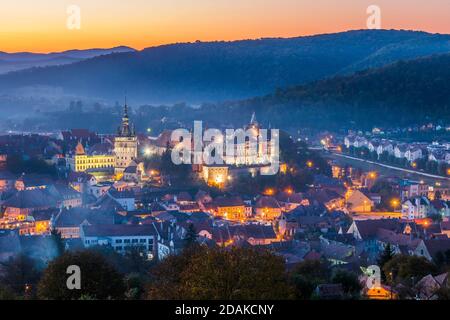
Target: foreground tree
x=349 y=281
x=407 y=269
x=98 y=279
x=220 y=273
x=19 y=276
x=307 y=275
x=385 y=257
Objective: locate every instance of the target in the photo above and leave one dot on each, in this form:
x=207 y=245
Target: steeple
x=126 y=130
x=253 y=119
x=79 y=149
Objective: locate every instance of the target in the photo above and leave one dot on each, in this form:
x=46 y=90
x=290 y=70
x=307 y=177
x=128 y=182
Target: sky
x=42 y=25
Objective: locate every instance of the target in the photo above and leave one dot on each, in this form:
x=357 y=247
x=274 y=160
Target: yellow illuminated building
x=81 y=161
x=215 y=175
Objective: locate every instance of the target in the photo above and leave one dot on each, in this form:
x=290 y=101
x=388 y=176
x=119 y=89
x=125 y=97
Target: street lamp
x=395 y=203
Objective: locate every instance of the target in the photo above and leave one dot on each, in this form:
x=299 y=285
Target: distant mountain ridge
x=216 y=71
x=23 y=60
x=399 y=94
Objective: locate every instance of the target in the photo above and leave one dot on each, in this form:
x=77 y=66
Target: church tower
x=125 y=143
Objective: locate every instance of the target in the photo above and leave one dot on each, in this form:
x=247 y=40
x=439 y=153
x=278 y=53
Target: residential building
x=121 y=237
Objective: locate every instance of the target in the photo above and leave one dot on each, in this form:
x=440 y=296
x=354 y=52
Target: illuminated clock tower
x=125 y=143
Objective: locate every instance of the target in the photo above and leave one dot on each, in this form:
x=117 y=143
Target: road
x=385 y=169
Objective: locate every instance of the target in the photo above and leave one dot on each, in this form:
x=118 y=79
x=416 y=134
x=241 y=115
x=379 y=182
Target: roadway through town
x=385 y=169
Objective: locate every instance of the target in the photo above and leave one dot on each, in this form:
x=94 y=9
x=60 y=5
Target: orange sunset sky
x=40 y=25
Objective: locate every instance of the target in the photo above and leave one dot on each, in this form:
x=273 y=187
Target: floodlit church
x=124 y=153
x=125 y=144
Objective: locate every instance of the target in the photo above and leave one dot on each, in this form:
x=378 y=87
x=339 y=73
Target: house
x=367 y=231
x=131 y=173
x=23 y=203
x=99 y=189
x=373 y=145
x=303 y=218
x=413 y=153
x=69 y=221
x=385 y=146
x=430 y=248
x=289 y=200
x=66 y=196
x=125 y=198
x=254 y=234
x=121 y=237
x=42 y=220
x=331 y=199
x=81 y=181
x=7 y=181
x=399 y=151
x=360 y=142
x=349 y=141
x=358 y=202
x=416 y=208
x=230 y=208
x=32 y=181
x=428 y=286
x=267 y=208
x=411 y=189
x=170 y=238
x=440 y=156
x=400 y=242
x=337 y=252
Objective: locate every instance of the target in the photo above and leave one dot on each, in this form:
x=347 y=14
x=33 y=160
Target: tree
x=220 y=273
x=385 y=257
x=20 y=275
x=349 y=282
x=407 y=269
x=59 y=243
x=7 y=294
x=307 y=275
x=191 y=236
x=98 y=278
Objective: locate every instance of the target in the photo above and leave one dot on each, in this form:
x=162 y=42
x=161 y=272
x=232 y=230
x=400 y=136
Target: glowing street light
x=147 y=151
x=309 y=164
x=395 y=203
x=269 y=192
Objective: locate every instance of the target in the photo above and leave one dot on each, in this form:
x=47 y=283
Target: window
x=143 y=240
x=119 y=248
x=126 y=241
x=118 y=240
x=134 y=241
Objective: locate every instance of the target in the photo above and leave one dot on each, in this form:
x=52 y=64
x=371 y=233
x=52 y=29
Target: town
x=77 y=190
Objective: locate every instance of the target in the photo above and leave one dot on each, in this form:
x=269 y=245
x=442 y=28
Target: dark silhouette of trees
x=99 y=279
x=220 y=273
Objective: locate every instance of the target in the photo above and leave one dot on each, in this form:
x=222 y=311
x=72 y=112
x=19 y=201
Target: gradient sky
x=40 y=25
